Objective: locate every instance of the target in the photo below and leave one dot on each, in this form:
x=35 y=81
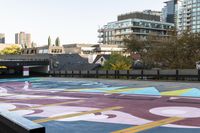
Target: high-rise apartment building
x=177 y=12
x=169 y=12
x=28 y=40
x=24 y=39
x=188 y=15
x=139 y=24
x=2 y=38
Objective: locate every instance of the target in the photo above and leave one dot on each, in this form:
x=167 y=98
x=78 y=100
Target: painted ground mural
x=104 y=106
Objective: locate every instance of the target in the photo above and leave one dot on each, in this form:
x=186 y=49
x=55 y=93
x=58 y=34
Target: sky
x=74 y=21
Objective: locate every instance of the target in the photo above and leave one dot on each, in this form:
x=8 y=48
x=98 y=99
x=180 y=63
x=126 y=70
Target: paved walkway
x=104 y=106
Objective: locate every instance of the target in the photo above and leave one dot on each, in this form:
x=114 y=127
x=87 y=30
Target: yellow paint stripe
x=47 y=105
x=175 y=93
x=77 y=90
x=75 y=114
x=122 y=90
x=150 y=125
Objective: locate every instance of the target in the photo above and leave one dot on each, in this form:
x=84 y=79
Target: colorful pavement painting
x=103 y=106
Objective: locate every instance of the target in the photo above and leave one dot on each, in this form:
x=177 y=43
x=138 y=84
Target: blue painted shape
x=171 y=130
x=144 y=91
x=100 y=127
x=19 y=80
x=81 y=126
x=194 y=92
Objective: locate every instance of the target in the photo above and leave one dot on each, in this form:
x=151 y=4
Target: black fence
x=181 y=74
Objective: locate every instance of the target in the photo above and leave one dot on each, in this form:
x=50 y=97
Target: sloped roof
x=99 y=56
x=72 y=62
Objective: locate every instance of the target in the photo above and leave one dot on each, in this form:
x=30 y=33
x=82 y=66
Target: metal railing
x=179 y=74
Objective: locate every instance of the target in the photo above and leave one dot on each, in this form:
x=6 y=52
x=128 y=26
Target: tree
x=57 y=41
x=133 y=44
x=189 y=49
x=118 y=62
x=162 y=55
x=175 y=52
x=49 y=41
x=13 y=49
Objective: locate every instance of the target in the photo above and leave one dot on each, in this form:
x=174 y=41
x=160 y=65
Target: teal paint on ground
x=100 y=127
x=80 y=126
x=19 y=80
x=194 y=92
x=144 y=91
x=171 y=130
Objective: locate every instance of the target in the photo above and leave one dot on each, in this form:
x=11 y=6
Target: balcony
x=118 y=39
x=101 y=30
x=118 y=33
x=189 y=16
x=102 y=41
x=100 y=36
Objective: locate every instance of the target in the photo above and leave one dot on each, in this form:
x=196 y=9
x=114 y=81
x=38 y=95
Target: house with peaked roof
x=101 y=59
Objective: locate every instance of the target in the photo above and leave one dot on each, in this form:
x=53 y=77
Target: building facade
x=2 y=38
x=188 y=15
x=43 y=50
x=93 y=49
x=134 y=24
x=169 y=12
x=24 y=39
x=146 y=15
